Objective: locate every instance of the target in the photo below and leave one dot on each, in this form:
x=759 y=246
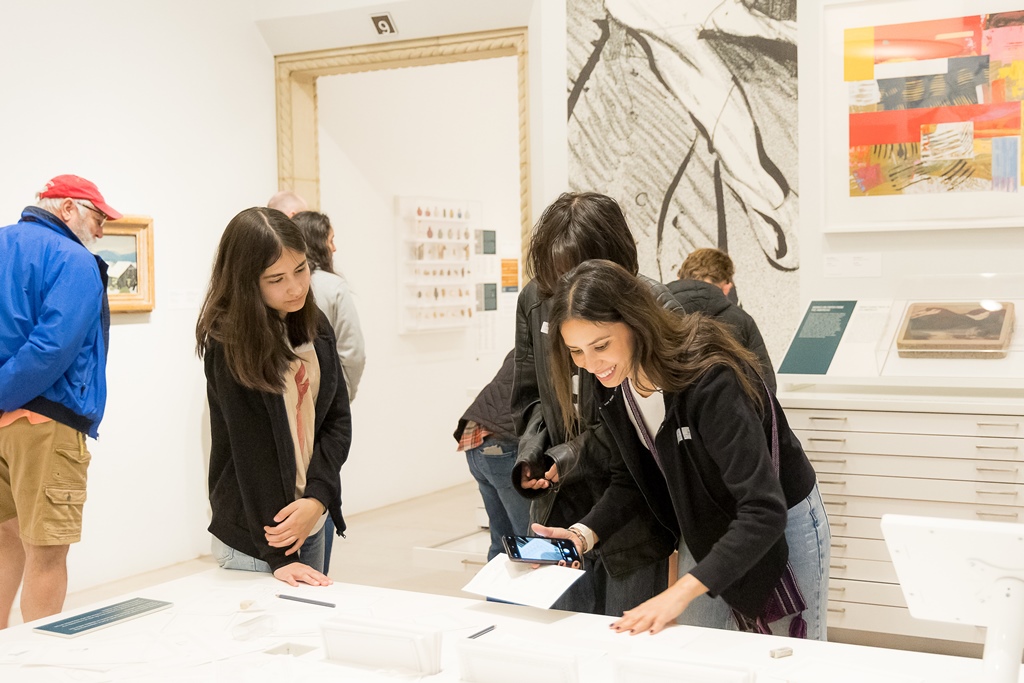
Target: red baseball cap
x=74 y=187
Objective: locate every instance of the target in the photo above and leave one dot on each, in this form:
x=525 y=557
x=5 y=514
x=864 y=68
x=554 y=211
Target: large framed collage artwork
x=920 y=110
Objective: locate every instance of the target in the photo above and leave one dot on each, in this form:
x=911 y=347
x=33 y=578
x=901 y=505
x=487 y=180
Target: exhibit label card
x=102 y=617
x=817 y=338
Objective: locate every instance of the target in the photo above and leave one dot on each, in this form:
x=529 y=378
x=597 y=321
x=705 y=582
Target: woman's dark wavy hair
x=674 y=350
x=576 y=227
x=254 y=336
x=316 y=227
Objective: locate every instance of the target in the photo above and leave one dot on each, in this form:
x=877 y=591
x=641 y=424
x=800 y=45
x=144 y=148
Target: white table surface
x=192 y=641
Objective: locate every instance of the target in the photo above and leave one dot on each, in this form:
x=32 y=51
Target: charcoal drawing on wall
x=686 y=113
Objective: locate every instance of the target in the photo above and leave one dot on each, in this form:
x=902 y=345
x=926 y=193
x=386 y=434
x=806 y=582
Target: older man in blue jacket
x=54 y=329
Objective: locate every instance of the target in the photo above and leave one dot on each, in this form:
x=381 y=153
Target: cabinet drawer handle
x=832 y=481
x=837 y=589
x=835 y=502
x=821 y=438
x=833 y=419
x=837 y=566
x=837 y=610
x=1011 y=515
x=997 y=493
x=999 y=424
x=831 y=523
x=995 y=448
x=475 y=563
x=1004 y=470
x=838 y=545
x=835 y=461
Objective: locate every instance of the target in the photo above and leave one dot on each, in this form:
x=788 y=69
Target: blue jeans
x=810 y=546
x=508 y=512
x=311 y=553
x=598 y=592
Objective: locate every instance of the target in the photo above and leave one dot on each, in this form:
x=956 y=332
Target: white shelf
x=437 y=240
x=427 y=219
x=448 y=250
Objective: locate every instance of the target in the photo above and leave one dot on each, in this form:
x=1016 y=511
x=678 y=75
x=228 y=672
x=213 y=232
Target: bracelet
x=577 y=534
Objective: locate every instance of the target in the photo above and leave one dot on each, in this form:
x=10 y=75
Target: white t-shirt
x=652 y=410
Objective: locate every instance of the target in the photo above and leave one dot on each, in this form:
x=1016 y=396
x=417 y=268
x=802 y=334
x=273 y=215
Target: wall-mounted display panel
x=436 y=286
x=918 y=109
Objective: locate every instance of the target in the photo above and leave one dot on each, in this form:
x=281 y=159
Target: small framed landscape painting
x=127 y=248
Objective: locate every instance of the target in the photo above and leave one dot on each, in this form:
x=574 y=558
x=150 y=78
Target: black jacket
x=696 y=296
x=252 y=454
x=719 y=489
x=492 y=408
x=584 y=463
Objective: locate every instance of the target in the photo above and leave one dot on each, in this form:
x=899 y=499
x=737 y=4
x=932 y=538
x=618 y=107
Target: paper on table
x=516 y=582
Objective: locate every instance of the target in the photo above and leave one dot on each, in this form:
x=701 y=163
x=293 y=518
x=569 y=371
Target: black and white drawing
x=686 y=113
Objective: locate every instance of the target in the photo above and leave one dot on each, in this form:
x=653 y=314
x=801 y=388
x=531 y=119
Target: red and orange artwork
x=935 y=106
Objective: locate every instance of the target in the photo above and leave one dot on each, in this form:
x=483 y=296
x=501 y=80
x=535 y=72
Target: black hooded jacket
x=584 y=462
x=696 y=296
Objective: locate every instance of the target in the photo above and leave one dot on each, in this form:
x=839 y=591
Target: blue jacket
x=54 y=323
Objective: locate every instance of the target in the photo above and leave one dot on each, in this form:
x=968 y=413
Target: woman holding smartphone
x=279 y=412
x=706 y=446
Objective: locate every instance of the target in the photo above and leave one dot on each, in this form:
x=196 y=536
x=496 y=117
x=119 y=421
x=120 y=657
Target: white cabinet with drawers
x=951 y=455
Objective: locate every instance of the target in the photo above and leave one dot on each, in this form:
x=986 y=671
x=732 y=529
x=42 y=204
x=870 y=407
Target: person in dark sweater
x=487 y=435
x=704 y=285
x=705 y=446
x=279 y=413
x=565 y=475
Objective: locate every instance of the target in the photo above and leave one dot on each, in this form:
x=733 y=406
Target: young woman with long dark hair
x=279 y=411
x=566 y=474
x=704 y=445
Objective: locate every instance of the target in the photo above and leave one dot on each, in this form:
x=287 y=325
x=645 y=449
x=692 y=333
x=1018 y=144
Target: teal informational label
x=818 y=338
x=102 y=617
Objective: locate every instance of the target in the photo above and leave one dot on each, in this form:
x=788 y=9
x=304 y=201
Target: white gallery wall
x=170 y=108
x=448 y=131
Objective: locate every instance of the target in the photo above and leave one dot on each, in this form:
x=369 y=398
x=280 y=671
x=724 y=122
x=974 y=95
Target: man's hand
x=295 y=521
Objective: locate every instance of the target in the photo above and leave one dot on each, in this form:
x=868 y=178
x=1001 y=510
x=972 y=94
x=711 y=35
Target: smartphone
x=539 y=550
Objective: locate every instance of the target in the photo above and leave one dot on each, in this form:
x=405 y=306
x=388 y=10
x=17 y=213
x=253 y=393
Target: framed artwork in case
x=127 y=248
x=963 y=329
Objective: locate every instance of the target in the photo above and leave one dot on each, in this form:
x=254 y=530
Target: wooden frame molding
x=298 y=163
x=138 y=274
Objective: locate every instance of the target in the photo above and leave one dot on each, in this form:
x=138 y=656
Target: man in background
x=704 y=284
x=54 y=333
x=287 y=202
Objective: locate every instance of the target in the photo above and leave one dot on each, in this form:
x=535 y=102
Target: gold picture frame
x=960 y=329
x=127 y=248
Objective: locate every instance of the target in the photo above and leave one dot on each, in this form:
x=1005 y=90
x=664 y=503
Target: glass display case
x=941 y=331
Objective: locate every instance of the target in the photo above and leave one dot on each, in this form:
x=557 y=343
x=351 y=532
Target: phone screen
x=541 y=550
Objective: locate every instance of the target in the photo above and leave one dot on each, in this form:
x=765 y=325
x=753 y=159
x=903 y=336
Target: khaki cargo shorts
x=42 y=480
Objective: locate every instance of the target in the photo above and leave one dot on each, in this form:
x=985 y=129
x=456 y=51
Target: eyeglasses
x=103 y=216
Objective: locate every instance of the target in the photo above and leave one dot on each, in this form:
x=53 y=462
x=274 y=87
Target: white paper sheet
x=516 y=582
